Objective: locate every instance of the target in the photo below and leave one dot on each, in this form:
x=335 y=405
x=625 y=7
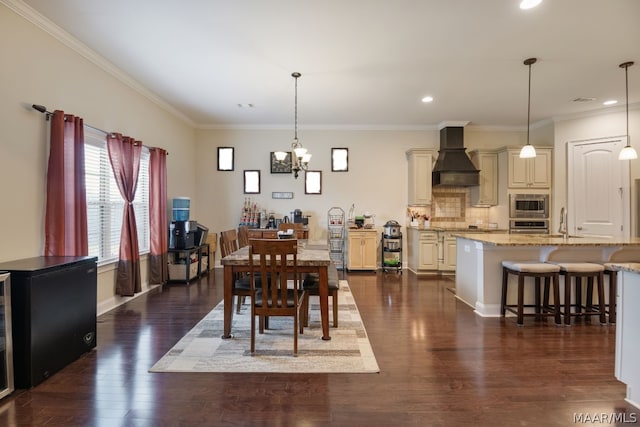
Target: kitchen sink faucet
x=563 y=229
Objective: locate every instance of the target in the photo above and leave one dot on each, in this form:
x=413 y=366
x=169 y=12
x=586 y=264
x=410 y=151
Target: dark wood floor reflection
x=440 y=365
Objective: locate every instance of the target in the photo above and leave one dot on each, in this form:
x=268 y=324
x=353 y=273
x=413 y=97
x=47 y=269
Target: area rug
x=203 y=349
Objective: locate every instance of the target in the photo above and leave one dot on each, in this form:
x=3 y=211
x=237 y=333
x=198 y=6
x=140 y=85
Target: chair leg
x=556 y=297
x=253 y=331
x=567 y=299
x=295 y=334
x=503 y=301
x=603 y=317
x=520 y=299
x=334 y=295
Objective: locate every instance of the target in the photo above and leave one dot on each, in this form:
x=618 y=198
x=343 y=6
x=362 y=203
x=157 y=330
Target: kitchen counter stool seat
x=578 y=271
x=537 y=271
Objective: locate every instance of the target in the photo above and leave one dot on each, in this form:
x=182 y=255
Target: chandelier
x=301 y=157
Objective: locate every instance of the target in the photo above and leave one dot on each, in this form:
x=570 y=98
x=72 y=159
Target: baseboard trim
x=117 y=300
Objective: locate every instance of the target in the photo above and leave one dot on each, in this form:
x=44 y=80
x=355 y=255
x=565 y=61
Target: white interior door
x=598 y=188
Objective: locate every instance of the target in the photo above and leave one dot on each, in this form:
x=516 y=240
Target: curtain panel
x=66 y=204
x=124 y=154
x=158 y=221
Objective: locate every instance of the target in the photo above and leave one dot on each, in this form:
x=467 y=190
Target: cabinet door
x=354 y=259
x=449 y=254
x=485 y=194
x=518 y=170
x=369 y=251
x=428 y=253
x=419 y=179
x=540 y=169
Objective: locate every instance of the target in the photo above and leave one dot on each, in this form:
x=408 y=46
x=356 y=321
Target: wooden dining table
x=311 y=259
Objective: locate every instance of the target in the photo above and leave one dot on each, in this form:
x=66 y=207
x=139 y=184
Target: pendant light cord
x=295 y=114
x=626 y=85
x=529 y=105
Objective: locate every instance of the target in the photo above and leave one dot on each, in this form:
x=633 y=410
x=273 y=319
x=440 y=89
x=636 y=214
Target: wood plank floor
x=441 y=365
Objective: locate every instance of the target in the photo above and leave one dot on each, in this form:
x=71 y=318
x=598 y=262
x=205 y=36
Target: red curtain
x=66 y=210
x=124 y=154
x=158 y=225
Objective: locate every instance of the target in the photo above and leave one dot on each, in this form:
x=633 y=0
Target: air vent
x=584 y=99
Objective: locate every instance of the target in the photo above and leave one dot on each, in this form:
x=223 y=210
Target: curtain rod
x=43 y=110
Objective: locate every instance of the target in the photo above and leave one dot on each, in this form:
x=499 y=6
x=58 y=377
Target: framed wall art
x=339 y=160
x=280 y=166
x=251 y=182
x=313 y=182
x=225 y=158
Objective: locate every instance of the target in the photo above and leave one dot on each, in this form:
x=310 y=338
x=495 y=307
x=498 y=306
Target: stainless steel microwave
x=529 y=205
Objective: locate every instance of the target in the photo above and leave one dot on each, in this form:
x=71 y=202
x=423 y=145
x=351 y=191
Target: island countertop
x=497 y=239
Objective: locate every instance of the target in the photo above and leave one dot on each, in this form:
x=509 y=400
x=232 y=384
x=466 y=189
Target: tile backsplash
x=451 y=207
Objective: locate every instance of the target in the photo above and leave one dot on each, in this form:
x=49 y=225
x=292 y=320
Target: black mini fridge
x=53 y=313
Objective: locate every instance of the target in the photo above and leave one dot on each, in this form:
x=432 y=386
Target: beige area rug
x=348 y=351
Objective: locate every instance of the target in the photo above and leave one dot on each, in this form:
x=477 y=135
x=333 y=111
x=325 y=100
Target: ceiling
x=364 y=63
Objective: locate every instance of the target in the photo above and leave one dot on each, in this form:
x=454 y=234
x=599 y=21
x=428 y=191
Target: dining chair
x=277 y=259
x=243 y=236
x=241 y=285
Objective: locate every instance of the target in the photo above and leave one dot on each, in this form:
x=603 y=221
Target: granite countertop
x=632 y=267
x=498 y=239
x=460 y=229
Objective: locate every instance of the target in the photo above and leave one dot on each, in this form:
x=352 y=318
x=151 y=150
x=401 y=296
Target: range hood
x=454 y=167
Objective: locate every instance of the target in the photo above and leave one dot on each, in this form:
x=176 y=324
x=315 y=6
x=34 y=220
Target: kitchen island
x=480 y=255
x=627 y=344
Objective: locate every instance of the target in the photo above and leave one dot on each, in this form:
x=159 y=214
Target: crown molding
x=31 y=15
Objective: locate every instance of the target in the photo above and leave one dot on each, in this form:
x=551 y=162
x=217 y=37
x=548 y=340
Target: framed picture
x=251 y=182
x=339 y=160
x=313 y=182
x=225 y=158
x=281 y=166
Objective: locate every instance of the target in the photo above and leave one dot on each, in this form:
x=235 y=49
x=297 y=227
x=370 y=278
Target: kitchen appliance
x=298 y=218
x=529 y=226
x=453 y=166
x=529 y=206
x=272 y=222
x=392 y=229
x=182 y=234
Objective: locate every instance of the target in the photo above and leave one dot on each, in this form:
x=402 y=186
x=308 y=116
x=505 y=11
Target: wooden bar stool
x=579 y=271
x=536 y=270
x=612 y=273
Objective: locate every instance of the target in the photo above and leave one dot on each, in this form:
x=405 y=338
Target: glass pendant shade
x=300 y=151
x=280 y=155
x=527 y=152
x=628 y=153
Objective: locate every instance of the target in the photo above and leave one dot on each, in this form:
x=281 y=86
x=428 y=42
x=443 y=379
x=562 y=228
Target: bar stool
x=536 y=270
x=578 y=271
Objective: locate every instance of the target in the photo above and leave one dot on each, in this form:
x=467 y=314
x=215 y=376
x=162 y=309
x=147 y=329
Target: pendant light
x=528 y=151
x=300 y=160
x=628 y=152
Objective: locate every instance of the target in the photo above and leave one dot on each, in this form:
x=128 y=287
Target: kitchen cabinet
x=362 y=249
x=529 y=173
x=485 y=194
x=53 y=310
x=428 y=251
x=448 y=250
x=627 y=369
x=419 y=169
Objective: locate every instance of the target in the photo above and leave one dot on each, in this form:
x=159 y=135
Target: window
x=104 y=203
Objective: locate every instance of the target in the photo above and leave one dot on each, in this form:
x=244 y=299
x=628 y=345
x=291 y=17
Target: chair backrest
x=277 y=261
x=243 y=236
x=228 y=242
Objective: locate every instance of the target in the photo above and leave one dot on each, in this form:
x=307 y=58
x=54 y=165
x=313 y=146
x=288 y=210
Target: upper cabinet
x=420 y=167
x=530 y=173
x=485 y=194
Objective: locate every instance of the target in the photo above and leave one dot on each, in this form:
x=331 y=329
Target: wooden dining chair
x=243 y=236
x=241 y=285
x=277 y=259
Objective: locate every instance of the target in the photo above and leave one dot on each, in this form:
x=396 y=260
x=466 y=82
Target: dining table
x=311 y=258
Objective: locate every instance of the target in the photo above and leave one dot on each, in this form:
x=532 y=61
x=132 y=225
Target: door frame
x=625 y=184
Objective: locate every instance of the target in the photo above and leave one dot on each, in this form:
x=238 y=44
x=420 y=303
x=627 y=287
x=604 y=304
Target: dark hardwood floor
x=440 y=365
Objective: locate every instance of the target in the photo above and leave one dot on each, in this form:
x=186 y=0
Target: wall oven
x=529 y=226
x=529 y=206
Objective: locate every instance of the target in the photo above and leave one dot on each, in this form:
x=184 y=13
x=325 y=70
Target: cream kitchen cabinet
x=362 y=249
x=447 y=244
x=419 y=168
x=485 y=194
x=422 y=250
x=529 y=173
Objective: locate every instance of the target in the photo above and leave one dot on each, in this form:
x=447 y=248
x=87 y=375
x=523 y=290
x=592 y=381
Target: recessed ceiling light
x=610 y=102
x=529 y=4
x=427 y=99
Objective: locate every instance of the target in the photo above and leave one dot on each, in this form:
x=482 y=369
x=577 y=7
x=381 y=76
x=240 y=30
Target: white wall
x=39 y=69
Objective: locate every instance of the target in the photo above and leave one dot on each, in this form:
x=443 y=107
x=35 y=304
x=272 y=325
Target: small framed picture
x=225 y=158
x=339 y=160
x=313 y=182
x=281 y=166
x=251 y=182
